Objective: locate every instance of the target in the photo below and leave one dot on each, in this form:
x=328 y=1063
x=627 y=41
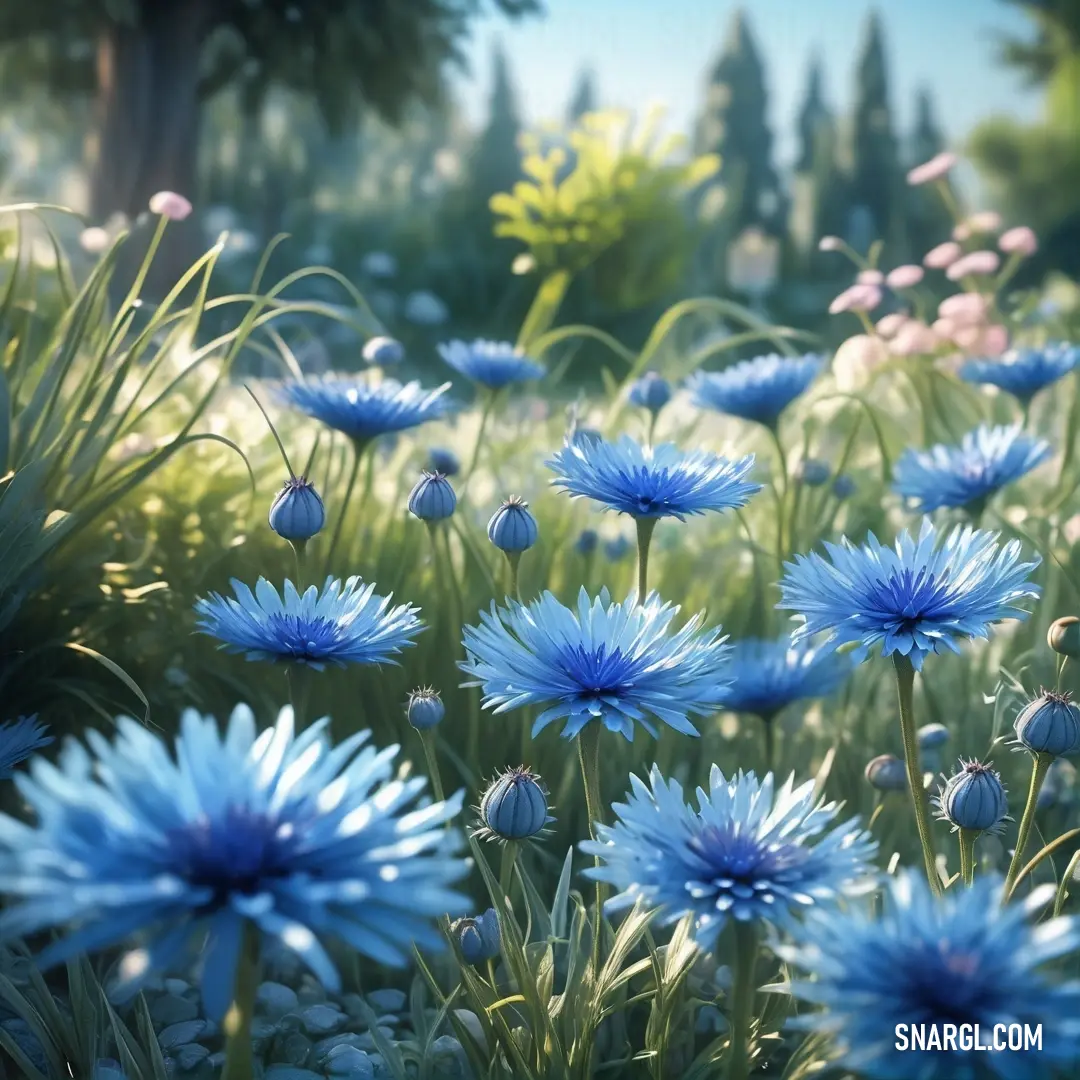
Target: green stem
x=299 y=548
x=485 y=416
x=358 y=451
x=781 y=491
x=651 y=437
x=427 y=741
x=645 y=527
x=743 y=989
x=905 y=686
x=513 y=559
x=299 y=676
x=506 y=870
x=967 y=855
x=1066 y=881
x=544 y=308
x=589 y=757
x=1038 y=775
x=770 y=743
x=239 y=1059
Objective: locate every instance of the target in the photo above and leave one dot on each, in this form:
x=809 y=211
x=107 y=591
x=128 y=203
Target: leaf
x=562 y=897
x=115 y=669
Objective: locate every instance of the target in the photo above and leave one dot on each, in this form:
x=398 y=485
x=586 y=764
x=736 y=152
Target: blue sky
x=647 y=51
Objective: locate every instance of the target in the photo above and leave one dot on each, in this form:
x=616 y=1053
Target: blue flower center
x=300 y=638
x=600 y=670
x=910 y=596
x=949 y=985
x=746 y=872
x=234 y=853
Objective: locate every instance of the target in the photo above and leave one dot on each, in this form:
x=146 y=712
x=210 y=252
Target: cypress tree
x=496 y=164
x=584 y=98
x=875 y=175
x=733 y=125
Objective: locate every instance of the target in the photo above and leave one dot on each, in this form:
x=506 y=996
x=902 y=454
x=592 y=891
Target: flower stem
x=299 y=548
x=770 y=744
x=239 y=1060
x=513 y=558
x=299 y=676
x=506 y=870
x=905 y=686
x=651 y=437
x=743 y=989
x=967 y=855
x=1038 y=774
x=589 y=756
x=781 y=490
x=645 y=527
x=358 y=453
x=485 y=417
x=427 y=740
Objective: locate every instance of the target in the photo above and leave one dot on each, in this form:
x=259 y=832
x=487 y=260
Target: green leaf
x=115 y=669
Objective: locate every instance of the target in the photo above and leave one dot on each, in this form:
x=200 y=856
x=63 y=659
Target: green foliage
x=618 y=210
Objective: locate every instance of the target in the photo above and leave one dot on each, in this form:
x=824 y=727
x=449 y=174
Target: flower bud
x=932 y=736
x=297 y=512
x=383 y=351
x=617 y=548
x=887 y=773
x=843 y=487
x=424 y=709
x=512 y=528
x=650 y=392
x=514 y=807
x=1049 y=725
x=974 y=798
x=813 y=473
x=478 y=938
x=432 y=499
x=443 y=461
x=1064 y=636
x=170 y=205
x=586 y=542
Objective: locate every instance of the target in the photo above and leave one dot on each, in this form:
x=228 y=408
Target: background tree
x=733 y=125
x=584 y=99
x=875 y=176
x=153 y=63
x=928 y=219
x=1033 y=170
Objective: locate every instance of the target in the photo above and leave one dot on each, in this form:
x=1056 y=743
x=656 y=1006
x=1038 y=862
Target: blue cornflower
x=1024 y=372
x=338 y=625
x=586 y=542
x=273 y=829
x=616 y=548
x=963 y=959
x=973 y=798
x=652 y=481
x=916 y=598
x=758 y=390
x=611 y=662
x=18 y=740
x=363 y=408
x=650 y=392
x=767 y=676
x=442 y=460
x=494 y=364
x=987 y=459
x=747 y=852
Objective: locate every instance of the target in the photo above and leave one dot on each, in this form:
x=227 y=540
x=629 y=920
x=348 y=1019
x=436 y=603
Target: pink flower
x=856 y=359
x=94 y=240
x=962 y=231
x=870 y=277
x=914 y=339
x=976 y=262
x=964 y=308
x=904 y=277
x=934 y=169
x=170 y=205
x=982 y=340
x=856 y=298
x=943 y=255
x=995 y=341
x=1019 y=241
x=830 y=243
x=890 y=324
x=984 y=221
x=945 y=328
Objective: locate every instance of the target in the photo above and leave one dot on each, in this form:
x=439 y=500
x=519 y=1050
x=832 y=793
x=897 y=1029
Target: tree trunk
x=148 y=122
